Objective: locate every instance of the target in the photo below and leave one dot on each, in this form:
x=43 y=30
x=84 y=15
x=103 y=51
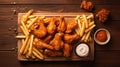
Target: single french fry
x=85 y=21
x=79 y=24
x=24 y=45
x=77 y=17
x=21 y=36
x=30 y=48
x=25 y=28
x=30 y=24
x=91 y=23
x=82 y=29
x=25 y=17
x=90 y=28
x=31 y=16
x=79 y=27
x=83 y=37
x=90 y=16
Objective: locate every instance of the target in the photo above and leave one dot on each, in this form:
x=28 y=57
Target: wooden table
x=105 y=56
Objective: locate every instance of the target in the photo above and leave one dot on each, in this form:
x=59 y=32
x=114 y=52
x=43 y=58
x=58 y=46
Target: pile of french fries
x=27 y=49
x=84 y=28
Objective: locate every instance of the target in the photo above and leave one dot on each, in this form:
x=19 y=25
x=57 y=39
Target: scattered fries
x=85 y=26
x=27 y=49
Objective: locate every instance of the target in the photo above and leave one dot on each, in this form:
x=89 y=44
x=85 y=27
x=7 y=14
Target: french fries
x=85 y=26
x=30 y=24
x=27 y=49
x=20 y=37
x=24 y=45
x=25 y=17
x=24 y=28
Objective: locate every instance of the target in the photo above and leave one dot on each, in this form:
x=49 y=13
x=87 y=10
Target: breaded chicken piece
x=67 y=50
x=57 y=42
x=39 y=29
x=51 y=28
x=52 y=53
x=69 y=38
x=71 y=26
x=62 y=25
x=41 y=45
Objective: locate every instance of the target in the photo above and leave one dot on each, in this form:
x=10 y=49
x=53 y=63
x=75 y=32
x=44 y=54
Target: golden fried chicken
x=41 y=45
x=67 y=50
x=52 y=53
x=87 y=5
x=51 y=28
x=103 y=15
x=71 y=26
x=39 y=29
x=62 y=25
x=57 y=42
x=68 y=38
x=47 y=39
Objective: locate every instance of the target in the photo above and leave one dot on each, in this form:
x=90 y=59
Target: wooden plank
x=7 y=10
x=68 y=17
x=102 y=58
x=110 y=2
x=107 y=59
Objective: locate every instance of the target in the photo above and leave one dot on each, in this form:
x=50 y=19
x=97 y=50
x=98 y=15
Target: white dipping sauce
x=82 y=50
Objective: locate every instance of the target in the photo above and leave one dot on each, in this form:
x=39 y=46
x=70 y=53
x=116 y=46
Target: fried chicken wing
x=62 y=25
x=67 y=50
x=57 y=42
x=52 y=53
x=47 y=39
x=51 y=28
x=39 y=29
x=71 y=26
x=68 y=38
x=40 y=44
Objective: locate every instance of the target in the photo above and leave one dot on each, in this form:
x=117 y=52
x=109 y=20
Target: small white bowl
x=108 y=36
x=82 y=50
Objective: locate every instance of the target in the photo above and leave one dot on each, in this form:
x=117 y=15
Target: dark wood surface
x=105 y=56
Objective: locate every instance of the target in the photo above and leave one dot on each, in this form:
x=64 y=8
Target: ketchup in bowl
x=101 y=35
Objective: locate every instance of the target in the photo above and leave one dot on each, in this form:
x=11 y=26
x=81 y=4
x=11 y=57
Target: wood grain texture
x=102 y=59
x=7 y=10
x=102 y=2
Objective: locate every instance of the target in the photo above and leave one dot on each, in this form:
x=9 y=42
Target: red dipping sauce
x=101 y=36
